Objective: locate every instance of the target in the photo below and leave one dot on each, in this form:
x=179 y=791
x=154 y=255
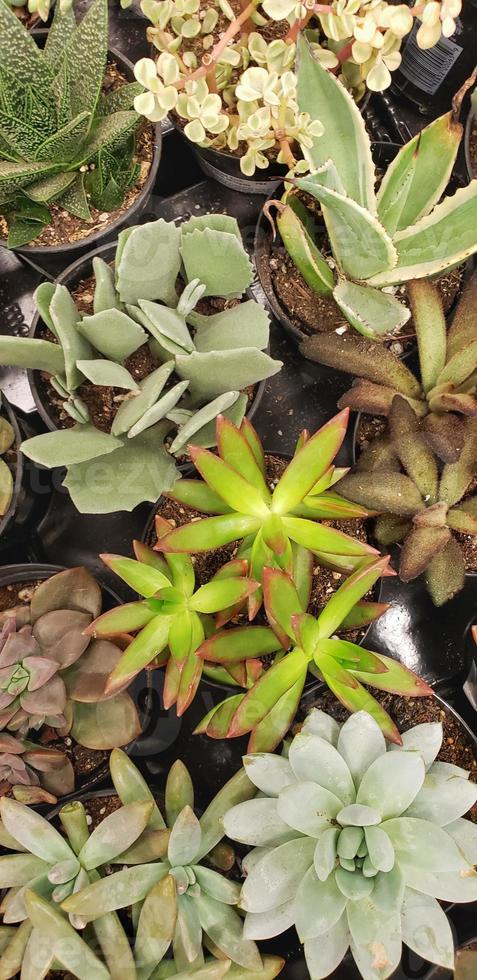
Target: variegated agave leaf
x=339 y=829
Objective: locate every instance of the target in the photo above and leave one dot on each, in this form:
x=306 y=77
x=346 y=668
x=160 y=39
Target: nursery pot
x=132 y=214
x=383 y=155
x=440 y=973
x=225 y=169
x=140 y=690
x=80 y=269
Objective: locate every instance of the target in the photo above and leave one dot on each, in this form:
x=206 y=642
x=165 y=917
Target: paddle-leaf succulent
x=61 y=140
x=267 y=710
x=197 y=365
x=7 y=439
x=355 y=842
x=404 y=231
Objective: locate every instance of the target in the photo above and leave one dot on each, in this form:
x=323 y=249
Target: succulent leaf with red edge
x=267 y=710
x=274 y=526
x=425 y=506
x=172 y=619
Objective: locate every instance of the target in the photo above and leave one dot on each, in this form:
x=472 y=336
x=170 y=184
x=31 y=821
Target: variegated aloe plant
x=378 y=240
x=425 y=506
x=172 y=619
x=61 y=140
x=52 y=674
x=193 y=902
x=354 y=842
x=442 y=393
x=268 y=709
x=203 y=363
x=277 y=527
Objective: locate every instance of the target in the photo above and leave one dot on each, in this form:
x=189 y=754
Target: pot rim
x=63 y=279
x=187 y=469
x=8 y=518
x=126 y=216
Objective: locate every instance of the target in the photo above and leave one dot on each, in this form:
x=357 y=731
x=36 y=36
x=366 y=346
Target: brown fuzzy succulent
x=422 y=502
x=443 y=394
x=52 y=674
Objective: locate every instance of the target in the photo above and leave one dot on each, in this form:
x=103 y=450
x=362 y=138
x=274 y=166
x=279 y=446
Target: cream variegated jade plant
x=379 y=239
x=355 y=843
x=203 y=363
x=236 y=91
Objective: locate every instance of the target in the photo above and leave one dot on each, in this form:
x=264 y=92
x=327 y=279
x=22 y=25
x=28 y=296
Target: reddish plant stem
x=212 y=58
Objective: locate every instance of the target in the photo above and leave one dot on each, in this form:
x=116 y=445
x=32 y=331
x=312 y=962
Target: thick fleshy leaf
x=106 y=724
x=149 y=263
x=72 y=952
x=319 y=905
x=373 y=919
x=282 y=602
x=147 y=645
x=235 y=645
x=235 y=450
x=443 y=798
x=309 y=464
x=131 y=786
x=237 y=492
x=127 y=618
x=185 y=839
x=179 y=791
x=301 y=248
x=393 y=492
x=275 y=879
x=266 y=925
x=308 y=807
x=343 y=600
x=323 y=539
x=115 y=834
x=218 y=259
x=360 y=742
x=222 y=593
x=447 y=886
x=269 y=773
x=391 y=783
x=421 y=545
x=370 y=311
x=17 y=870
x=426 y=929
x=217 y=372
x=142 y=578
x=215 y=885
x=33 y=832
x=266 y=692
x=313 y=758
x=380 y=849
x=199 y=496
x=69 y=446
x=225 y=928
x=424 y=845
x=238 y=789
x=116 y=891
x=325 y=953
x=319 y=723
x=363 y=359
x=258 y=823
x=353 y=884
x=211 y=532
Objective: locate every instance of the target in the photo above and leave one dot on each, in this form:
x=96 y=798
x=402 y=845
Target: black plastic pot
x=471 y=174
x=81 y=269
x=383 y=155
x=140 y=690
x=440 y=973
x=132 y=214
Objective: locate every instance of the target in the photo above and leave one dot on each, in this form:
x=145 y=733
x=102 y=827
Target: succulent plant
x=61 y=141
x=172 y=619
x=52 y=674
x=43 y=869
x=213 y=357
x=426 y=505
x=442 y=393
x=7 y=439
x=239 y=92
x=353 y=843
x=268 y=709
x=378 y=240
x=32 y=772
x=277 y=528
x=193 y=902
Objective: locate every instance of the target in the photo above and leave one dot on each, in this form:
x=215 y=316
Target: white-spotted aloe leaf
x=86 y=54
x=437 y=242
x=418 y=176
x=370 y=311
x=149 y=262
x=344 y=140
x=361 y=246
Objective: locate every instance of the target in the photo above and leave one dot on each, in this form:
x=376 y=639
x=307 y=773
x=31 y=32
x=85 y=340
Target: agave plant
x=268 y=709
x=33 y=773
x=52 y=674
x=239 y=94
x=424 y=507
x=172 y=619
x=378 y=240
x=61 y=140
x=193 y=902
x=278 y=527
x=443 y=392
x=214 y=358
x=7 y=439
x=354 y=841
